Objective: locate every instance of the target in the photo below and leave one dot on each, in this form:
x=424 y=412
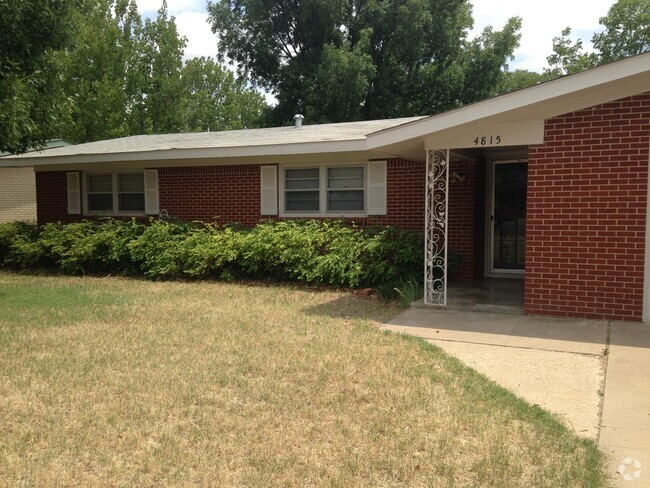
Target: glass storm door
x=508 y=216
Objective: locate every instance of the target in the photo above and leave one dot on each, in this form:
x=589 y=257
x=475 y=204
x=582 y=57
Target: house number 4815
x=487 y=141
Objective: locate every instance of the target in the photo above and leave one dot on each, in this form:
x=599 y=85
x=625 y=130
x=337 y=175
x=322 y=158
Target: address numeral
x=487 y=141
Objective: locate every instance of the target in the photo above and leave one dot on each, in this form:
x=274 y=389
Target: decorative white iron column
x=435 y=228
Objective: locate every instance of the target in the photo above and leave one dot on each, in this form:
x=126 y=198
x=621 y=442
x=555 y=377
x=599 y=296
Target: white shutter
x=377 y=172
x=151 y=206
x=74 y=193
x=268 y=190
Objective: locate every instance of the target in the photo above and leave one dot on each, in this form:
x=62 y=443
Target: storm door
x=508 y=216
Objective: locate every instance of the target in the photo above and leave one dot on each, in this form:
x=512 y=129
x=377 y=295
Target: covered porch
x=566 y=239
x=475 y=228
x=496 y=295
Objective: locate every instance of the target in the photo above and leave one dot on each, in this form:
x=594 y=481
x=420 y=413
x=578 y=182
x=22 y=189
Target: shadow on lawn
x=353 y=307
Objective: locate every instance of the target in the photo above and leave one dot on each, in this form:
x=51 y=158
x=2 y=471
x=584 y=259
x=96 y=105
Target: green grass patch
x=57 y=302
x=135 y=383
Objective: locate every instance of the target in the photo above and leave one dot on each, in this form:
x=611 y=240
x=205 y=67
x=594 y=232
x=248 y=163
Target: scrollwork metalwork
x=435 y=238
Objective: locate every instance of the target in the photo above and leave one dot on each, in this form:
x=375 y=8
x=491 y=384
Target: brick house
x=547 y=184
x=18 y=190
x=17 y=195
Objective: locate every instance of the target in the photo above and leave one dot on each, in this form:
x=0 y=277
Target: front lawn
x=116 y=382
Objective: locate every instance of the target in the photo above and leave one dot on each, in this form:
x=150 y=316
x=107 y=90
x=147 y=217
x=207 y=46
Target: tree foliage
x=216 y=99
x=123 y=74
x=126 y=76
x=626 y=33
x=627 y=30
x=32 y=101
x=352 y=59
x=518 y=79
x=97 y=65
x=568 y=56
x=156 y=94
x=88 y=70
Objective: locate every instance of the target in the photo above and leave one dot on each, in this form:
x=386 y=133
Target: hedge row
x=316 y=252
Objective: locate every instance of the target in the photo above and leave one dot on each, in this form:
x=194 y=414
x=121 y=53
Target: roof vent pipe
x=298 y=118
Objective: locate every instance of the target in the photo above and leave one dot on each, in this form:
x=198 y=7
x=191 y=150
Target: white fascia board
x=278 y=150
x=636 y=68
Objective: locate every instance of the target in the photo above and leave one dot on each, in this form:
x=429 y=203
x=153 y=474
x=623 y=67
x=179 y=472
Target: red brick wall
x=220 y=194
x=52 y=198
x=406 y=194
x=232 y=194
x=226 y=194
x=587 y=187
x=462 y=227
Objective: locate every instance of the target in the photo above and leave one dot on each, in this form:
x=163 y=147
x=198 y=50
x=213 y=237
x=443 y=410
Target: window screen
x=100 y=193
x=131 y=192
x=302 y=190
x=345 y=189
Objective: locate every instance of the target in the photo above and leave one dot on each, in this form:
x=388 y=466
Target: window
x=302 y=189
x=325 y=189
x=130 y=192
x=100 y=193
x=345 y=189
x=115 y=193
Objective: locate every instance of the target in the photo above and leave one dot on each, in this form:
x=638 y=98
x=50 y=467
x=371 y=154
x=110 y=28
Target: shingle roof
x=345 y=131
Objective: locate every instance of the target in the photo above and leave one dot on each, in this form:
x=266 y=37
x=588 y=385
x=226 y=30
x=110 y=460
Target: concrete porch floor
x=501 y=295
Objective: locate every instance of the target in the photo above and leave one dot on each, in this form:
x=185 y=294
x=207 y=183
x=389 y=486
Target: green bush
x=331 y=253
x=20 y=247
x=91 y=246
x=212 y=253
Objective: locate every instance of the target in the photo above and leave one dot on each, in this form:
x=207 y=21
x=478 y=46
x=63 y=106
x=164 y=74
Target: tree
x=126 y=77
x=485 y=58
x=518 y=79
x=568 y=57
x=215 y=100
x=351 y=59
x=33 y=105
x=105 y=46
x=627 y=31
x=325 y=94
x=155 y=78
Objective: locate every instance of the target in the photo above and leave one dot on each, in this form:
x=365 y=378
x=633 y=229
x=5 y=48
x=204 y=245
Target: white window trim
x=115 y=212
x=323 y=190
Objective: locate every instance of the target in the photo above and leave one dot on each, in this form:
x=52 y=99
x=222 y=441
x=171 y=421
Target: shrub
x=310 y=251
x=20 y=247
x=74 y=248
x=158 y=249
x=91 y=246
x=213 y=253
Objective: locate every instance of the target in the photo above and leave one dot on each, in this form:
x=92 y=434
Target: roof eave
x=271 y=151
x=556 y=97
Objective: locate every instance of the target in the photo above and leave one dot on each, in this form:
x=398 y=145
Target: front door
x=508 y=216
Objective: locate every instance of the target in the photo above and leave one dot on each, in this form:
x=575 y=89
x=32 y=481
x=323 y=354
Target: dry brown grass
x=129 y=383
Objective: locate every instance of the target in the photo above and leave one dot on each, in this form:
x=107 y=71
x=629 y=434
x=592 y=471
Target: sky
x=541 y=22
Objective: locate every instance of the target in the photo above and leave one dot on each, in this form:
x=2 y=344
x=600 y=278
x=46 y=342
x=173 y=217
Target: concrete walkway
x=594 y=375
